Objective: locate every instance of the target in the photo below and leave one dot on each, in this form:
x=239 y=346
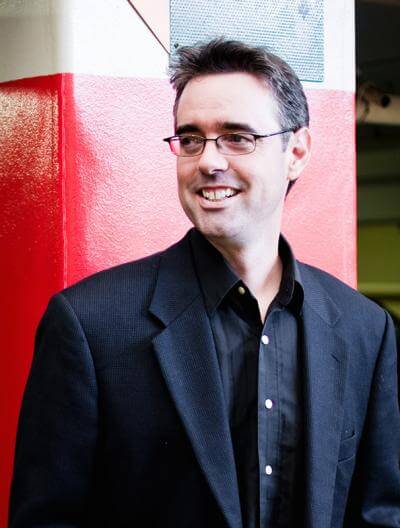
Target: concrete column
x=86 y=181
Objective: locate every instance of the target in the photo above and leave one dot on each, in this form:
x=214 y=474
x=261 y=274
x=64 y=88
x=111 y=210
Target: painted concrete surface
x=31 y=267
x=88 y=184
x=123 y=202
x=86 y=181
x=102 y=37
x=118 y=177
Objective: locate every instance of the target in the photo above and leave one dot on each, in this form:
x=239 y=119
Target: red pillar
x=86 y=181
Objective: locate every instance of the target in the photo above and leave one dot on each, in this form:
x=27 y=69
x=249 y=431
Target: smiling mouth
x=217 y=195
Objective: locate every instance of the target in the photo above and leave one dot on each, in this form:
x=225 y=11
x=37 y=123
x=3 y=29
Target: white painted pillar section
x=107 y=37
x=99 y=37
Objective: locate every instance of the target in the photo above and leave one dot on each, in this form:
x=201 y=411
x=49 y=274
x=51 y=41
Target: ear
x=299 y=150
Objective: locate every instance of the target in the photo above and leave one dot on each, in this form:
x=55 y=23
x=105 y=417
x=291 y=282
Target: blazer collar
x=317 y=296
x=325 y=368
x=176 y=286
x=186 y=353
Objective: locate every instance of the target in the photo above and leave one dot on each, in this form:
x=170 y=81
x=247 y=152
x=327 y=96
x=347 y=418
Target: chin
x=217 y=232
x=211 y=226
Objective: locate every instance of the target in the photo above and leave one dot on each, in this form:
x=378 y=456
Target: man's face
x=212 y=105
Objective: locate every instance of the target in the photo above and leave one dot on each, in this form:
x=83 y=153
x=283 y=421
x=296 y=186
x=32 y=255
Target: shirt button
x=265 y=339
x=269 y=404
x=268 y=470
x=241 y=290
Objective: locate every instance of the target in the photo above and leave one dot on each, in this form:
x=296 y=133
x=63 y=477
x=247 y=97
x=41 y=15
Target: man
x=220 y=382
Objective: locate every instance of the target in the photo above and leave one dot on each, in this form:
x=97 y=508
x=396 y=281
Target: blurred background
x=378 y=151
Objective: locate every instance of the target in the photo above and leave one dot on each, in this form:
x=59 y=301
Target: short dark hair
x=228 y=56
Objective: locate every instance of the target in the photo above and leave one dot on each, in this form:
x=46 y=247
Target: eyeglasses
x=230 y=144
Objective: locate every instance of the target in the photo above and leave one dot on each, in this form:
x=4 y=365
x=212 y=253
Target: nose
x=211 y=161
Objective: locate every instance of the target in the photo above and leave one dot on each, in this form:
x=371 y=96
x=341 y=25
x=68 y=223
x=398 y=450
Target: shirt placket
x=268 y=418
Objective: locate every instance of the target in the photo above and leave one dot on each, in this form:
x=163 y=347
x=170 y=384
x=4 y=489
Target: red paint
x=121 y=194
x=31 y=239
x=124 y=203
x=321 y=211
x=96 y=186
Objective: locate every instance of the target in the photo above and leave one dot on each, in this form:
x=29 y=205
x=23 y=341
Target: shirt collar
x=215 y=275
x=217 y=278
x=291 y=293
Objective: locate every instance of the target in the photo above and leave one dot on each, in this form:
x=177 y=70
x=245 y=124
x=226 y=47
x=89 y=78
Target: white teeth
x=218 y=194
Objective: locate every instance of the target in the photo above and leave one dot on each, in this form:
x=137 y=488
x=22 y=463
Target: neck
x=257 y=263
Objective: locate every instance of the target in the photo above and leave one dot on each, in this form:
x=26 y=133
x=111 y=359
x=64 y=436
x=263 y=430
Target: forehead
x=227 y=97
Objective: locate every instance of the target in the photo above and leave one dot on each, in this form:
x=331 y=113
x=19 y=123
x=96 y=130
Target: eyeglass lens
x=233 y=144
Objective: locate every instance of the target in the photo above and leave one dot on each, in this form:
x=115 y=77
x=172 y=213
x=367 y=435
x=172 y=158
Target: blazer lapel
x=325 y=379
x=186 y=353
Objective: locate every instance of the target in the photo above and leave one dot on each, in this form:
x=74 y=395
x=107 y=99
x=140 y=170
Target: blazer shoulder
x=133 y=274
x=350 y=302
x=120 y=292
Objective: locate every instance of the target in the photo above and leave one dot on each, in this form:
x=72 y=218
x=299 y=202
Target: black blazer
x=123 y=421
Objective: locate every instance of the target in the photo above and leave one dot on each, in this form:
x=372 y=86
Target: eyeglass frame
x=255 y=136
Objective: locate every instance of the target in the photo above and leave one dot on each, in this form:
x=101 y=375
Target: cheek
x=184 y=172
x=250 y=167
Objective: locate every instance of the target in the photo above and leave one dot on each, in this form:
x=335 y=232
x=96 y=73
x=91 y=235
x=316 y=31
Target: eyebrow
x=223 y=125
x=184 y=129
x=229 y=125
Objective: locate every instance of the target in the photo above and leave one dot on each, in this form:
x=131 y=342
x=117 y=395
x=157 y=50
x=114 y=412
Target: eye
x=190 y=141
x=236 y=143
x=237 y=139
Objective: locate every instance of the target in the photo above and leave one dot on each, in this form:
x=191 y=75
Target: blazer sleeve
x=377 y=484
x=57 y=431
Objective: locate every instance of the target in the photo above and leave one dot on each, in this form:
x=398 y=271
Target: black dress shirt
x=261 y=378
